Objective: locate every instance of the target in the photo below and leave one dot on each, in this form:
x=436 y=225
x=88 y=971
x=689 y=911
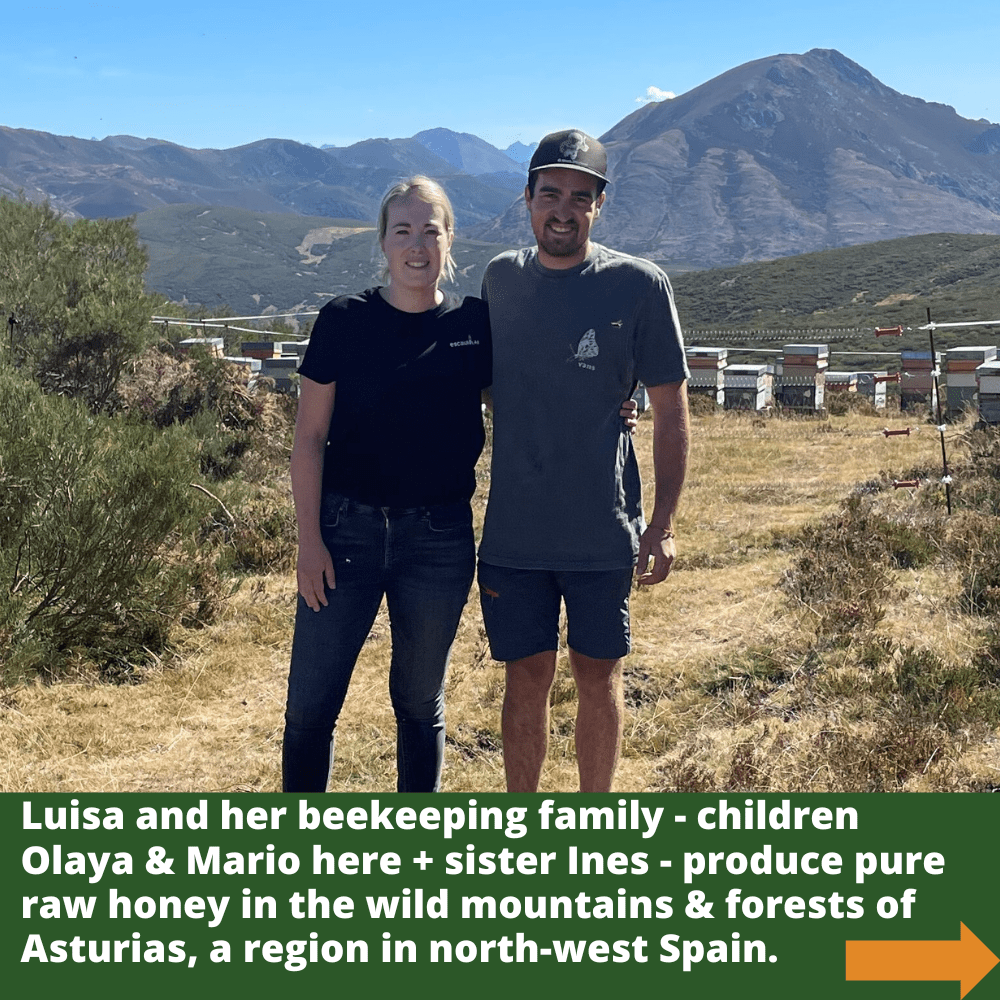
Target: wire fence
x=807 y=390
x=226 y=323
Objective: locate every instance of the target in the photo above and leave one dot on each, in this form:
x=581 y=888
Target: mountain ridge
x=123 y=175
x=779 y=156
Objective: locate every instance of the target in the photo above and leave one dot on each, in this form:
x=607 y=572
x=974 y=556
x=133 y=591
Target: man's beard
x=560 y=245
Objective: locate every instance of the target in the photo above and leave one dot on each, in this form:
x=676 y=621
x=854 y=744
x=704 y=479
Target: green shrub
x=977 y=477
x=76 y=293
x=209 y=395
x=90 y=505
x=259 y=535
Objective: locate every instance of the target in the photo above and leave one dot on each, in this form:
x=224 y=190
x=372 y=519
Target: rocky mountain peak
x=785 y=155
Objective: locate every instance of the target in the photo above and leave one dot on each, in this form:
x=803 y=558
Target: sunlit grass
x=732 y=682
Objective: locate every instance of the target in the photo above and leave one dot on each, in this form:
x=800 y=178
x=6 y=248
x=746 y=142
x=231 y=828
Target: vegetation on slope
x=871 y=285
x=243 y=262
x=240 y=262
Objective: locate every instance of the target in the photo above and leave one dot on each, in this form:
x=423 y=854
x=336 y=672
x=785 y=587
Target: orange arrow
x=966 y=960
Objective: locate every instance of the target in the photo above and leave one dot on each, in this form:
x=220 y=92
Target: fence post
x=945 y=478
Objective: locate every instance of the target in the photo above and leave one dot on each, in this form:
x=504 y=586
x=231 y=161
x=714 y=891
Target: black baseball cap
x=573 y=150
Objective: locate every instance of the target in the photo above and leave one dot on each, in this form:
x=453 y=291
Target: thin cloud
x=654 y=95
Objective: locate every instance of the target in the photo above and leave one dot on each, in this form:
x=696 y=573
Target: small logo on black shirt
x=464 y=343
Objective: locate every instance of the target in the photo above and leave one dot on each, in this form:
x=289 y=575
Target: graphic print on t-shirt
x=587 y=348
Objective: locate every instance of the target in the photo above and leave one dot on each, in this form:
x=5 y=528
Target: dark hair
x=533 y=178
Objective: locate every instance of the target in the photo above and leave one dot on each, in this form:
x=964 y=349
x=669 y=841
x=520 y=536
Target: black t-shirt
x=407 y=423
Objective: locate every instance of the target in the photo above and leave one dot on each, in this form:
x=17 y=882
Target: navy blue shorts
x=521 y=610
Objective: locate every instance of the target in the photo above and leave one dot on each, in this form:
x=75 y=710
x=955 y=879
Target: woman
x=383 y=468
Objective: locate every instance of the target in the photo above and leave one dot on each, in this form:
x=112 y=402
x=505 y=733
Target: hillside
x=123 y=175
x=876 y=284
x=252 y=262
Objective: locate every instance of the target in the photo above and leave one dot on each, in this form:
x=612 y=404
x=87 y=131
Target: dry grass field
x=798 y=645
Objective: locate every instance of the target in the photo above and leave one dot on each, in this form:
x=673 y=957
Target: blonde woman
x=388 y=432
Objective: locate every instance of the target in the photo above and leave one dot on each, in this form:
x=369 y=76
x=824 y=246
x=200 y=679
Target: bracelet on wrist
x=667 y=532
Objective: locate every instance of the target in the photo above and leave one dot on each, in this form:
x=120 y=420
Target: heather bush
x=977 y=473
x=843 y=571
x=75 y=291
x=840 y=403
x=837 y=577
x=974 y=536
x=94 y=513
x=981 y=568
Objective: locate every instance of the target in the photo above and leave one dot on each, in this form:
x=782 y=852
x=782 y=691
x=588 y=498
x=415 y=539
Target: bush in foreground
x=75 y=291
x=89 y=507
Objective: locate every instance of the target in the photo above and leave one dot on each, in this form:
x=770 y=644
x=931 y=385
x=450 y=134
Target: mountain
x=468 y=152
x=519 y=152
x=785 y=155
x=405 y=156
x=781 y=156
x=124 y=175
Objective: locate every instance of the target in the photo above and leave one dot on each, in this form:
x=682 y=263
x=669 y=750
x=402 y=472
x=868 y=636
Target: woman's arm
x=312 y=426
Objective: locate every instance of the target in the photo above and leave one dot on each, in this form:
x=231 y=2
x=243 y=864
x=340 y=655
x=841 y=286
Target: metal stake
x=945 y=478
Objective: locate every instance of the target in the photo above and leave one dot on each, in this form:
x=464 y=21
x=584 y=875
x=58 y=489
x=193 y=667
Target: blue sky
x=210 y=74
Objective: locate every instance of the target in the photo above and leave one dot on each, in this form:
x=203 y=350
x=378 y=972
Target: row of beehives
x=798 y=380
x=801 y=378
x=274 y=359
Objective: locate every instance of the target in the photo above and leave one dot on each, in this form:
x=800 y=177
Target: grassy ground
x=795 y=647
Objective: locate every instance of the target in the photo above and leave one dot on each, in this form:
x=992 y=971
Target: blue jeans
x=423 y=560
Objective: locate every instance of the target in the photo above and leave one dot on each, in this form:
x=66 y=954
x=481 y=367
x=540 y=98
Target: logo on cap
x=573 y=145
x=572 y=149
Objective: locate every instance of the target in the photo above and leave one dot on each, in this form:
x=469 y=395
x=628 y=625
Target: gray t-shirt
x=568 y=349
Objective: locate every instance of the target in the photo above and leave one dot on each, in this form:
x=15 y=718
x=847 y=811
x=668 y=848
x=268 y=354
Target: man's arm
x=670 y=451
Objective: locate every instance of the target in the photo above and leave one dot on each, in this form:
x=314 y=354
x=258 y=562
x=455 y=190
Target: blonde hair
x=426 y=190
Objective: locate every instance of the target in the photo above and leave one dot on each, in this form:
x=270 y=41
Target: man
x=575 y=326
